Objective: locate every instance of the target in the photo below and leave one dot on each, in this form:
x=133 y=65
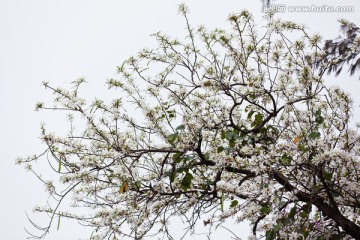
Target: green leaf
x=263 y=130
x=307 y=208
x=172 y=137
x=250 y=114
x=319 y=119
x=223 y=133
x=314 y=135
x=302 y=148
x=270 y=235
x=58 y=225
x=171 y=113
x=220 y=149
x=258 y=119
x=176 y=156
x=303 y=214
x=136 y=185
x=172 y=176
x=59 y=166
x=278 y=227
x=293 y=212
x=264 y=210
x=186 y=181
x=274 y=129
x=208 y=182
x=327 y=175
x=285 y=159
x=181 y=127
x=305 y=232
x=182 y=169
x=234 y=203
x=222 y=202
x=253 y=96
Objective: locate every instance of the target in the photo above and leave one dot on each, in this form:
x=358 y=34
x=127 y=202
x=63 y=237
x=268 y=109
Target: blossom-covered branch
x=226 y=124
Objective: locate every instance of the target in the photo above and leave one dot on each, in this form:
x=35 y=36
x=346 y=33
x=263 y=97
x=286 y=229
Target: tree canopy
x=224 y=124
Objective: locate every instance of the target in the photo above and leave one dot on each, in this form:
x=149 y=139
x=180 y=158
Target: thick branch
x=349 y=227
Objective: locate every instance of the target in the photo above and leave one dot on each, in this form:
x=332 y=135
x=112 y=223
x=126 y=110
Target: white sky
x=60 y=41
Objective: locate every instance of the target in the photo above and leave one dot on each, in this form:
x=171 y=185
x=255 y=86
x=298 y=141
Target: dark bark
x=348 y=226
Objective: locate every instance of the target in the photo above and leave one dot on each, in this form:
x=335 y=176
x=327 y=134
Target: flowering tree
x=225 y=125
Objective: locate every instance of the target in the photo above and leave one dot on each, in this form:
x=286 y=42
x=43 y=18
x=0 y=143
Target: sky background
x=60 y=41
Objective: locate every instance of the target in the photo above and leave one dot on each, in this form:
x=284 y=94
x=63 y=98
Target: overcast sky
x=60 y=41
